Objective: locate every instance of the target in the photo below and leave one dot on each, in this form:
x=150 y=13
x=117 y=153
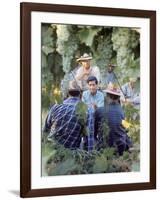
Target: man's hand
x=94 y=105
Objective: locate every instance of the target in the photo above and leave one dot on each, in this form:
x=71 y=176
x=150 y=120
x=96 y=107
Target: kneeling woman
x=118 y=137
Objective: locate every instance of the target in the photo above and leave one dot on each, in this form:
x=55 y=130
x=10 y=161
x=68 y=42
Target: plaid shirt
x=63 y=124
x=65 y=128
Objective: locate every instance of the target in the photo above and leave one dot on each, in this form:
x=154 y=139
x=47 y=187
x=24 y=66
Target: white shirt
x=93 y=71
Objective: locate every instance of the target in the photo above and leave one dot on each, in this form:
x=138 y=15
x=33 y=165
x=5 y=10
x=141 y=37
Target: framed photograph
x=88 y=99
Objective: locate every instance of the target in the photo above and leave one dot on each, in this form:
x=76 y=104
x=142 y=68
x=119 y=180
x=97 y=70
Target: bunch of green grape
x=67 y=44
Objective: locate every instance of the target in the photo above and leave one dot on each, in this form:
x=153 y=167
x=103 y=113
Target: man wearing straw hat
x=85 y=71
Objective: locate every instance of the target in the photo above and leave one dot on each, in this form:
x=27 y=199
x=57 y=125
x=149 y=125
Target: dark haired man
x=110 y=78
x=94 y=100
x=93 y=97
x=62 y=123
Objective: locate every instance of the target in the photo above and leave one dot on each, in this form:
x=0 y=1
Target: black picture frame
x=25 y=107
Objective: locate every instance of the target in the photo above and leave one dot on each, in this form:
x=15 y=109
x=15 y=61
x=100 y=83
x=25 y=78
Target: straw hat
x=84 y=57
x=113 y=90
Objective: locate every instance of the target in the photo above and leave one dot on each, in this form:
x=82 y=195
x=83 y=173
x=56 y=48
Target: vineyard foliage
x=63 y=44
